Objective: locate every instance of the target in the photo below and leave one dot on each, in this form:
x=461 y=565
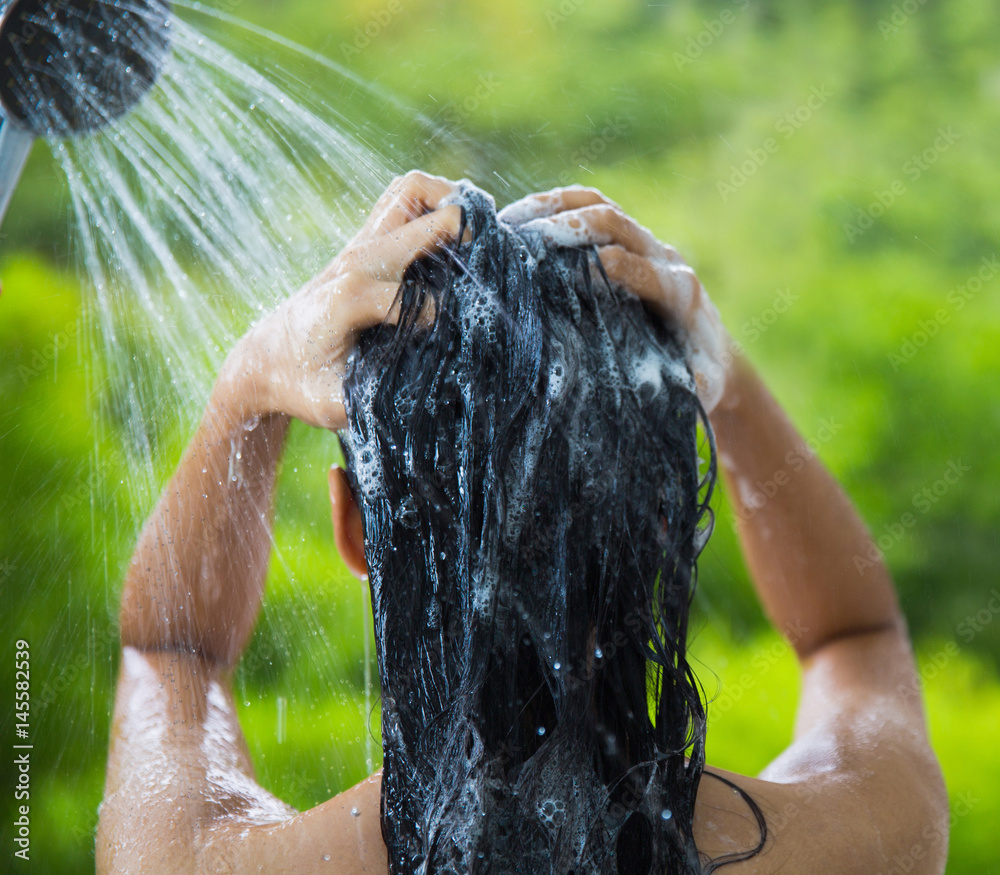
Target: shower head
x=69 y=67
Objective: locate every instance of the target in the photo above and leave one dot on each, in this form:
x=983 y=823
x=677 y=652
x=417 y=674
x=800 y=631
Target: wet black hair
x=528 y=475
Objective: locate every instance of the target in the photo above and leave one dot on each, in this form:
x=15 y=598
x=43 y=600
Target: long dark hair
x=529 y=480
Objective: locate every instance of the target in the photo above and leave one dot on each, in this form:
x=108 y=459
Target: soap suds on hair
x=529 y=483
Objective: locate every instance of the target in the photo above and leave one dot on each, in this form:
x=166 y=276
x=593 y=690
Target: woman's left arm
x=178 y=766
x=197 y=576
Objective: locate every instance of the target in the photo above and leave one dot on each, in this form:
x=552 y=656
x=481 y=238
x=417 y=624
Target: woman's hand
x=633 y=258
x=198 y=573
x=293 y=360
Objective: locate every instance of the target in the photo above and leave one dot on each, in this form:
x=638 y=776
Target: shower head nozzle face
x=71 y=66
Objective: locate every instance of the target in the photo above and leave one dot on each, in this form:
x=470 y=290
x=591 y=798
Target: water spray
x=70 y=67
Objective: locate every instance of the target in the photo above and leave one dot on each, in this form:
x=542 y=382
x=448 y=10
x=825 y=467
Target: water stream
x=242 y=172
x=216 y=198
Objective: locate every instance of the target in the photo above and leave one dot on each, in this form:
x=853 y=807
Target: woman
x=857 y=788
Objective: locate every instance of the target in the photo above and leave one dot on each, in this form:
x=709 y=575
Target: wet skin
x=857 y=787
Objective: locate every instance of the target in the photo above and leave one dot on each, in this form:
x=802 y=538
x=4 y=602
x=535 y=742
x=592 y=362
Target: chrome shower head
x=69 y=67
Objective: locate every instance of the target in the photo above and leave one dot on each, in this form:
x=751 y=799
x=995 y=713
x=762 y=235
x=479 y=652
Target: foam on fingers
x=597 y=225
x=671 y=289
x=537 y=206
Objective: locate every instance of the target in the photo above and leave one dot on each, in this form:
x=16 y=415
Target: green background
x=829 y=169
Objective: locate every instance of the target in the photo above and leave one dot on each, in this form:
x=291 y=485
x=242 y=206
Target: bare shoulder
x=177 y=762
x=859 y=790
x=181 y=795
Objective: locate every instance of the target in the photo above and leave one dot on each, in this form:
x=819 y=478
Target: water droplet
x=355 y=812
x=666 y=814
x=541 y=730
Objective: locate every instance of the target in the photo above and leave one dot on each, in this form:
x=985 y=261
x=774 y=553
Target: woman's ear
x=348 y=531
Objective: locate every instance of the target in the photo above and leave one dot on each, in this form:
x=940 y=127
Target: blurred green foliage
x=828 y=168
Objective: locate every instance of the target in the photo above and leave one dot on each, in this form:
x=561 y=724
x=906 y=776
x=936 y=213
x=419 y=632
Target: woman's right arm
x=860 y=744
x=801 y=536
x=801 y=539
x=860 y=753
x=799 y=531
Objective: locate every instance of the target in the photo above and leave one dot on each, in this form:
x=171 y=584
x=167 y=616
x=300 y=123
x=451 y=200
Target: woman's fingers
x=537 y=206
x=671 y=290
x=371 y=273
x=387 y=257
x=674 y=292
x=635 y=273
x=407 y=198
x=307 y=340
x=601 y=225
x=375 y=304
x=361 y=288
